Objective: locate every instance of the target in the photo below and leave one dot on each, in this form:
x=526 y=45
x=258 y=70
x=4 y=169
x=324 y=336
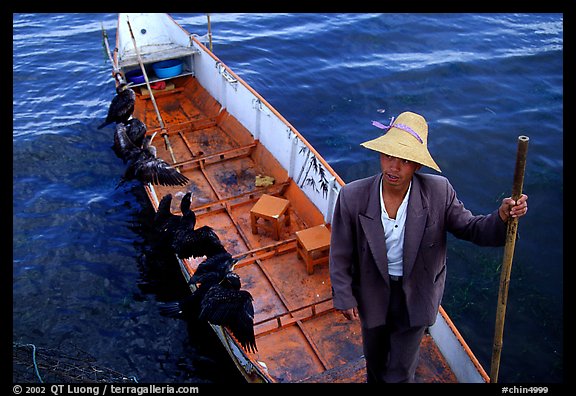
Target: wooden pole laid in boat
x=512 y=228
x=164 y=132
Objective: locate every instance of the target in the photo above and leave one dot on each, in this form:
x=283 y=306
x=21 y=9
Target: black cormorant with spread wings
x=210 y=272
x=143 y=165
x=226 y=305
x=122 y=105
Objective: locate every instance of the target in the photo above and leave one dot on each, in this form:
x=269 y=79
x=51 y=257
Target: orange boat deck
x=299 y=336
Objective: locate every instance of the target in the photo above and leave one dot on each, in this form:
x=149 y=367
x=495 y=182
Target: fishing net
x=37 y=364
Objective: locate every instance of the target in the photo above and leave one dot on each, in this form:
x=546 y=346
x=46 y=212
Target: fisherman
x=388 y=247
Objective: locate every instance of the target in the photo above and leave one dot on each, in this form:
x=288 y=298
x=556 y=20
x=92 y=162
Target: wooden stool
x=313 y=245
x=270 y=209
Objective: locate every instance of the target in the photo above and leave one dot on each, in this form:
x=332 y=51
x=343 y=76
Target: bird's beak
x=237 y=259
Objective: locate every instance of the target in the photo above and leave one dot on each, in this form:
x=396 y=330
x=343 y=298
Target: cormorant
x=218 y=300
x=219 y=264
x=188 y=308
x=164 y=223
x=143 y=165
x=226 y=305
x=190 y=242
x=122 y=105
x=134 y=129
x=210 y=272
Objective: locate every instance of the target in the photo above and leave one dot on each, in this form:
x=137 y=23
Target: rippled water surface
x=83 y=273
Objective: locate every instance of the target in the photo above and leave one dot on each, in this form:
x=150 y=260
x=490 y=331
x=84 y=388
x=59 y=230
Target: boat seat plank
x=156 y=53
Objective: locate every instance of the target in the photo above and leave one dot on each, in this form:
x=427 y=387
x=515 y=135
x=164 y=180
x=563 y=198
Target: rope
x=33 y=359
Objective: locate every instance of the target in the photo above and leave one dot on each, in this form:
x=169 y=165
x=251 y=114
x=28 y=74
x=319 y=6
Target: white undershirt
x=394 y=233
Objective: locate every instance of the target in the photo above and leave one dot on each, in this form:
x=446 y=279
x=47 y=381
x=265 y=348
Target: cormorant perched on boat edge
x=134 y=129
x=226 y=305
x=220 y=264
x=143 y=165
x=188 y=308
x=190 y=242
x=217 y=298
x=164 y=224
x=122 y=105
x=219 y=301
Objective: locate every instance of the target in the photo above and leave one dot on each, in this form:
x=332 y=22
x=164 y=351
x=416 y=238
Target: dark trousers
x=392 y=350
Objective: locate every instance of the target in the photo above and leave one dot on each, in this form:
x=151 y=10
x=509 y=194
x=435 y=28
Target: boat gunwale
x=474 y=360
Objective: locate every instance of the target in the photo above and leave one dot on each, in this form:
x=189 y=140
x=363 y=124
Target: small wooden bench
x=274 y=211
x=313 y=246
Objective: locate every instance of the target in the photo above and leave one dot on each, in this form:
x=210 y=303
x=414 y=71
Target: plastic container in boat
x=167 y=68
x=135 y=76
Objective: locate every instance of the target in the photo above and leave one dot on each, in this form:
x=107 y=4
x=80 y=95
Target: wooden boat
x=224 y=136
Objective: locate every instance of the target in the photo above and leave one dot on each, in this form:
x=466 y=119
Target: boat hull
x=223 y=135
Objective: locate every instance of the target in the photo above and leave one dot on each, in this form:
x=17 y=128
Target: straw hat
x=406 y=138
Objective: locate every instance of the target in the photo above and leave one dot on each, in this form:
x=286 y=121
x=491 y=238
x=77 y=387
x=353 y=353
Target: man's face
x=397 y=172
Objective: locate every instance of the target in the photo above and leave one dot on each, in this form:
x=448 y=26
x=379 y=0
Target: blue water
x=82 y=270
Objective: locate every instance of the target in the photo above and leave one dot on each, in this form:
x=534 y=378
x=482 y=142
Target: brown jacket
x=358 y=263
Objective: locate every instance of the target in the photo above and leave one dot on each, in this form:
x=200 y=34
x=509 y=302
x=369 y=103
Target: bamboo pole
x=115 y=69
x=209 y=33
x=162 y=127
x=512 y=228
